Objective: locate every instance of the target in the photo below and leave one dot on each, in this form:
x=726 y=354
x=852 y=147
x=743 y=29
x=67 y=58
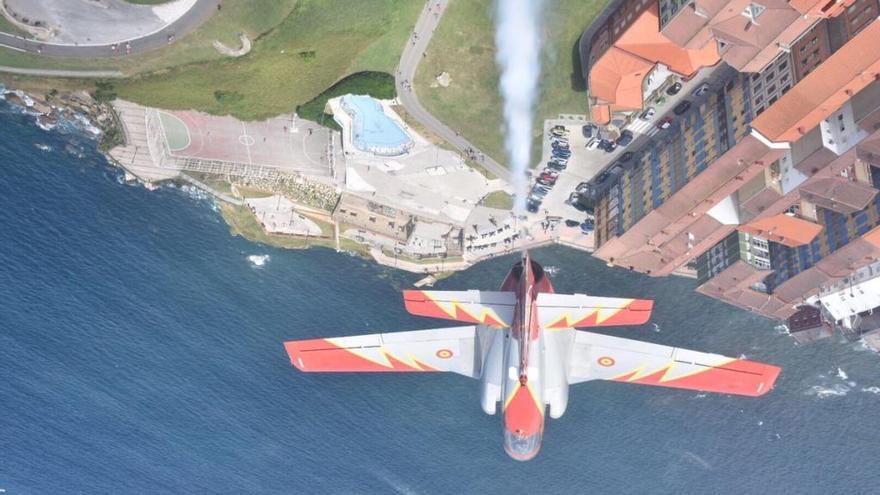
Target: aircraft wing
x=556 y=311
x=600 y=357
x=472 y=306
x=442 y=349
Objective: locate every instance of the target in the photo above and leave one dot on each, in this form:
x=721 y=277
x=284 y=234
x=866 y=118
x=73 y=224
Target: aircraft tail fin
x=473 y=306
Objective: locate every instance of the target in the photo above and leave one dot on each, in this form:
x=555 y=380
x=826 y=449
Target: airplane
x=523 y=346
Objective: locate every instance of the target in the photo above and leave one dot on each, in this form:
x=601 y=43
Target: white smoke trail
x=519 y=44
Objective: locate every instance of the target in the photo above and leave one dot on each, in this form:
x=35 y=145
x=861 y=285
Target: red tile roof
x=823 y=91
x=783 y=229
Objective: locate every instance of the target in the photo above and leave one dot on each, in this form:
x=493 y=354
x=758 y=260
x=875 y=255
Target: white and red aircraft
x=523 y=348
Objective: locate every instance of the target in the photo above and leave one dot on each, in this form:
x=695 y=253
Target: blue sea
x=141 y=352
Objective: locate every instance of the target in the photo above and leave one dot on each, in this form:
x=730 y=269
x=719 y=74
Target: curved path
x=406 y=71
x=189 y=21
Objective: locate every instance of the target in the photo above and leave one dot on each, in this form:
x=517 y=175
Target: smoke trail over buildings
x=518 y=42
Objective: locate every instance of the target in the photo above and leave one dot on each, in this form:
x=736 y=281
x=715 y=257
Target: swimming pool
x=372 y=130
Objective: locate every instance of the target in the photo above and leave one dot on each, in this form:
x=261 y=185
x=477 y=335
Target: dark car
x=625 y=138
x=556 y=145
x=681 y=107
x=532 y=206
x=674 y=89
x=664 y=123
x=607 y=146
x=571 y=223
x=626 y=157
x=587 y=227
x=587 y=130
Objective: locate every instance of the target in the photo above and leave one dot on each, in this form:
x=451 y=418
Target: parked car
x=532 y=205
x=625 y=138
x=556 y=166
x=673 y=89
x=583 y=186
x=564 y=154
x=546 y=180
x=587 y=227
x=701 y=90
x=549 y=171
x=682 y=107
x=664 y=123
x=648 y=113
x=607 y=146
x=540 y=191
x=626 y=157
x=571 y=223
x=556 y=145
x=587 y=130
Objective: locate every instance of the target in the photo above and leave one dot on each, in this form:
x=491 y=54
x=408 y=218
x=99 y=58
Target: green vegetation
x=498 y=199
x=314 y=47
x=464 y=46
x=6 y=26
x=103 y=91
x=376 y=84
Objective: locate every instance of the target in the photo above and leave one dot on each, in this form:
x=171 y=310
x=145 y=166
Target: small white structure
x=278 y=215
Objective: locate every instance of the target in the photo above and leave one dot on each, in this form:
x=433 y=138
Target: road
x=406 y=71
x=193 y=18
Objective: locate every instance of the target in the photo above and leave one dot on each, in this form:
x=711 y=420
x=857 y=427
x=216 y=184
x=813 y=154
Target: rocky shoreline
x=77 y=109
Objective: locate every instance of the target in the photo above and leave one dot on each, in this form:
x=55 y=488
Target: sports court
x=284 y=143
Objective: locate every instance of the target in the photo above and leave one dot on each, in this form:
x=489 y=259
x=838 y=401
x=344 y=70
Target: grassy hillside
x=319 y=43
x=464 y=46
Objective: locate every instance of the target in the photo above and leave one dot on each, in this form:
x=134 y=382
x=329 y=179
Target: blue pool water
x=140 y=352
x=373 y=130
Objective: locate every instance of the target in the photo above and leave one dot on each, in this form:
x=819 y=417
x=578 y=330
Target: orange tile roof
x=601 y=114
x=873 y=236
x=643 y=38
x=787 y=37
x=617 y=78
x=823 y=91
x=783 y=229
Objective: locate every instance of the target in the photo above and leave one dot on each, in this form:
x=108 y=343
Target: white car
x=648 y=113
x=593 y=144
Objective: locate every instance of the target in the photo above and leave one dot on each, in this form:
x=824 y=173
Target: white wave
x=781 y=329
x=826 y=392
x=43 y=147
x=551 y=270
x=655 y=327
x=258 y=260
x=871 y=390
x=842 y=374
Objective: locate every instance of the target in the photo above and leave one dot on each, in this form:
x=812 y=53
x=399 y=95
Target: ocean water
x=140 y=352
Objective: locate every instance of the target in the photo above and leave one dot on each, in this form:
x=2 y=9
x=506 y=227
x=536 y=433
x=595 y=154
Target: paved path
x=406 y=71
x=193 y=18
x=84 y=74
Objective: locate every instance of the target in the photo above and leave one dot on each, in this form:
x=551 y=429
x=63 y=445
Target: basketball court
x=284 y=143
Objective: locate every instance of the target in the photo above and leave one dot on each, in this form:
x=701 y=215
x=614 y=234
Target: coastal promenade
x=189 y=21
x=406 y=71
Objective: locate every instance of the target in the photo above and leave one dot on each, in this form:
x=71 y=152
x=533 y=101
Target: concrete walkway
x=406 y=71
x=83 y=74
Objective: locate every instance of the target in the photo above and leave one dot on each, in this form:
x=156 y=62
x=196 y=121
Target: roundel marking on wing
x=605 y=361
x=444 y=354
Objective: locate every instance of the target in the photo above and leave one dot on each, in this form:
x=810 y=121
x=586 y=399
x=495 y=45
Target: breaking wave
x=258 y=260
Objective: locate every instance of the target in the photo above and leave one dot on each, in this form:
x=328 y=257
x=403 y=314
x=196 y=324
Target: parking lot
x=585 y=164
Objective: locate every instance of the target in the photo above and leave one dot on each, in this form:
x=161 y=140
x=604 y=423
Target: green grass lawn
x=464 y=46
x=6 y=26
x=498 y=199
x=317 y=45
